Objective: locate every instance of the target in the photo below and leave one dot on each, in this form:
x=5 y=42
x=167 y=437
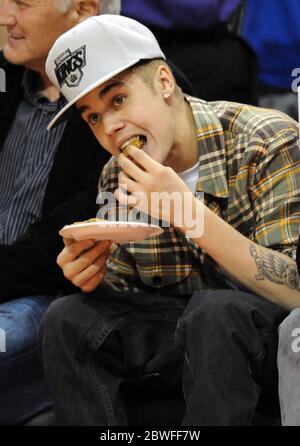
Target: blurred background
x=221 y=54
x=2 y=37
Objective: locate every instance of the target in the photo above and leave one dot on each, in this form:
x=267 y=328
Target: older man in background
x=46 y=181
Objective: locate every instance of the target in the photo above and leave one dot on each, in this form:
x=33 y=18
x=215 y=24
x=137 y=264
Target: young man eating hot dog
x=195 y=307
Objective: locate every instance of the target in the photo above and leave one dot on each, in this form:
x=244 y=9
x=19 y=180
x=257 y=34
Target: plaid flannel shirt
x=250 y=175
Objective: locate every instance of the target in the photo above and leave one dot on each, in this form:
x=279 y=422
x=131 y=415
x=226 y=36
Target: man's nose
x=7 y=16
x=112 y=124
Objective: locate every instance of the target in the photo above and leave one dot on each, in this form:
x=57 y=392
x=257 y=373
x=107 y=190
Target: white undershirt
x=190 y=176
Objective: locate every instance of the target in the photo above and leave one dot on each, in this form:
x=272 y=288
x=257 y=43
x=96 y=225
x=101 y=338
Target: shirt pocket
x=163 y=260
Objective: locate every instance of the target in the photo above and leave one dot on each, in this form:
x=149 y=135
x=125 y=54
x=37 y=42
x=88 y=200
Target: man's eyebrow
x=108 y=87
x=83 y=108
x=102 y=93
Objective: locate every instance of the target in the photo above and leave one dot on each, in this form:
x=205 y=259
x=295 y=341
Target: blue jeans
x=289 y=369
x=23 y=390
x=116 y=350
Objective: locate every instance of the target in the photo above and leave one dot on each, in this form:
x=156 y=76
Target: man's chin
x=13 y=56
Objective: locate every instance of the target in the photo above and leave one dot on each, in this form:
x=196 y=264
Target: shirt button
x=156 y=280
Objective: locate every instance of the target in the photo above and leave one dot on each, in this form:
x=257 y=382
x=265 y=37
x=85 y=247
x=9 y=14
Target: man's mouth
x=138 y=141
x=15 y=36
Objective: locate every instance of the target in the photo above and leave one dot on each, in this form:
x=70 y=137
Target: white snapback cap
x=93 y=52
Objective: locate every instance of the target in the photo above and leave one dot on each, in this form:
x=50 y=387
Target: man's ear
x=86 y=9
x=165 y=79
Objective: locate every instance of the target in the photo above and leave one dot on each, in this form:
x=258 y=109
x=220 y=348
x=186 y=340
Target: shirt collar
x=32 y=86
x=211 y=146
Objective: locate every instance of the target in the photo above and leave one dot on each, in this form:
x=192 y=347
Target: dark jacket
x=28 y=266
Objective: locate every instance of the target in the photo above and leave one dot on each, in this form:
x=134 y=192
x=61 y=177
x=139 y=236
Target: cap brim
x=64 y=114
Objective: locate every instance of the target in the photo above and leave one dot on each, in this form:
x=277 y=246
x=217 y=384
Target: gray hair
x=106 y=6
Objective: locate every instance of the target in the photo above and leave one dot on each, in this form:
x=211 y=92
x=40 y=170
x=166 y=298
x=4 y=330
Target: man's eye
x=118 y=100
x=94 y=118
x=20 y=3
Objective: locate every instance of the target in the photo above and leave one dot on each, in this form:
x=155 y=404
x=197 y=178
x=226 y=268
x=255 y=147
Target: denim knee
x=20 y=320
x=51 y=324
x=215 y=305
x=209 y=312
x=60 y=310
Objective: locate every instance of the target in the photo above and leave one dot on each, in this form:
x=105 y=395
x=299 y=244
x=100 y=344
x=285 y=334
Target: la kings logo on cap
x=69 y=67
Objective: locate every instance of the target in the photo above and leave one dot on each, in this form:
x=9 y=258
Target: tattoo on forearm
x=275 y=268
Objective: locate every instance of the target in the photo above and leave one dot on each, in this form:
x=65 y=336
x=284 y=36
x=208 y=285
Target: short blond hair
x=147 y=69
